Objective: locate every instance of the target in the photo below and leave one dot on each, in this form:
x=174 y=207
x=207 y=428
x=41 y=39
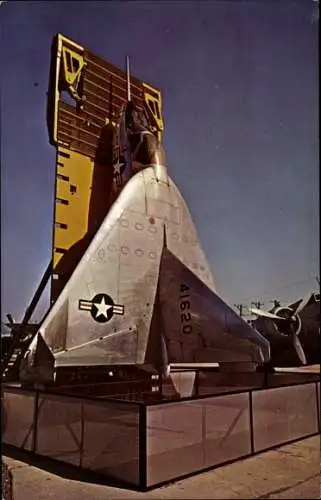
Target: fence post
x=82 y=434
x=35 y=423
x=318 y=406
x=251 y=421
x=142 y=447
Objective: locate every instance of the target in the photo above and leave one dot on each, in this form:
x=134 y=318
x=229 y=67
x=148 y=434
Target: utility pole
x=318 y=279
x=257 y=304
x=240 y=308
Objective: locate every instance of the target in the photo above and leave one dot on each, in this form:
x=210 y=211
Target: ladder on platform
x=22 y=337
x=23 y=334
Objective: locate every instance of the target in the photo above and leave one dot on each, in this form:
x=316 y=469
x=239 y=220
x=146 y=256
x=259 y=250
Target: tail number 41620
x=184 y=307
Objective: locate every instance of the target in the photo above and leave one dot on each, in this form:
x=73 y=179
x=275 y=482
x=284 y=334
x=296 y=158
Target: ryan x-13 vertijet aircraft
x=143 y=293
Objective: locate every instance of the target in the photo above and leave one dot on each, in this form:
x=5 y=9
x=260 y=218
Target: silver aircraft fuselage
x=143 y=292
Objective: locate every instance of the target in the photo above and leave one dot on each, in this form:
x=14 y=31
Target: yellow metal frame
x=78 y=50
x=73 y=183
x=74 y=170
x=153 y=101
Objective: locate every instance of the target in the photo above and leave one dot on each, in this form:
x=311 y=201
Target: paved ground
x=291 y=471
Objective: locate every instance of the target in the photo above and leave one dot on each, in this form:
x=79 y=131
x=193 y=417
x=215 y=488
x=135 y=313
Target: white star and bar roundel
x=101 y=307
x=119 y=168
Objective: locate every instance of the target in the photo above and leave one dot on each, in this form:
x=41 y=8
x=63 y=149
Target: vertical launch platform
x=85 y=97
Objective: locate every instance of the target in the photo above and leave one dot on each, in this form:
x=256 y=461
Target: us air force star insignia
x=101 y=307
x=118 y=168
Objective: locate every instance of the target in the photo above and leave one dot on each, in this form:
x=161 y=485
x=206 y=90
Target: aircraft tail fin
x=199 y=326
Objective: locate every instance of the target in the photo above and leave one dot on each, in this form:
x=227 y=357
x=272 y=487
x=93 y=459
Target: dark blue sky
x=240 y=91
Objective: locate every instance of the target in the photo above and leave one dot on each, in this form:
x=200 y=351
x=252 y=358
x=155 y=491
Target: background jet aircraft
x=293 y=331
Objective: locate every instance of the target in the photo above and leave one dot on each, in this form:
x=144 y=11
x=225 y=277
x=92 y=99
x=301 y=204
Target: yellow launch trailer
x=85 y=96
